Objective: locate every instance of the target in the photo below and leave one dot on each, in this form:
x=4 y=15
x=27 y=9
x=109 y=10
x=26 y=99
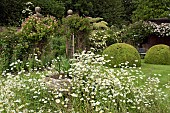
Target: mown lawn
x=161 y=71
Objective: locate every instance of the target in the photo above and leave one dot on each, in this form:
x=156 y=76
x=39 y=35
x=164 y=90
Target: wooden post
x=70 y=40
x=73 y=45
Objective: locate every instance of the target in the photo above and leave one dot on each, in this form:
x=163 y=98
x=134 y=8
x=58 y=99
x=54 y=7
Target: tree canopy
x=114 y=12
x=149 y=9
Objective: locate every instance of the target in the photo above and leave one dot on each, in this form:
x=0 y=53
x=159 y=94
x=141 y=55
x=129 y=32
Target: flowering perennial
x=99 y=88
x=161 y=30
x=94 y=88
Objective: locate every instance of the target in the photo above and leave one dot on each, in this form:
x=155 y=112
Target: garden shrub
x=8 y=41
x=135 y=33
x=161 y=30
x=98 y=40
x=158 y=54
x=36 y=33
x=121 y=53
x=114 y=35
x=98 y=23
x=37 y=40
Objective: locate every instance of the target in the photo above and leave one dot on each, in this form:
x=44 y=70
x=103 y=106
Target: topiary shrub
x=121 y=54
x=158 y=54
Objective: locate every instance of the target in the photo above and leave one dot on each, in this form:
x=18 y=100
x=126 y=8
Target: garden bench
x=142 y=52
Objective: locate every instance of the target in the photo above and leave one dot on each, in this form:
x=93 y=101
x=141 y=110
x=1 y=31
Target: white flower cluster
x=27 y=93
x=28 y=6
x=162 y=30
x=110 y=90
x=93 y=88
x=18 y=66
x=98 y=40
x=167 y=85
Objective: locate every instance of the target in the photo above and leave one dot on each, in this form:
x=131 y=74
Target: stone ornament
x=37 y=11
x=69 y=12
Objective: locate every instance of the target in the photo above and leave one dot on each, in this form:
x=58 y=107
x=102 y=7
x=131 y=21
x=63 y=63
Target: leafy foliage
x=150 y=9
x=11 y=12
x=98 y=40
x=81 y=29
x=35 y=35
x=158 y=54
x=111 y=11
x=98 y=23
x=136 y=32
x=75 y=23
x=121 y=54
x=81 y=7
x=39 y=38
x=8 y=40
x=115 y=12
x=114 y=35
x=129 y=8
x=51 y=7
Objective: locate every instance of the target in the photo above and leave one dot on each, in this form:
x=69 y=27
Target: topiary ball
x=122 y=54
x=158 y=54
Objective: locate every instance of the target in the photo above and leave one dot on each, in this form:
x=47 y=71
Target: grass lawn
x=151 y=69
x=162 y=71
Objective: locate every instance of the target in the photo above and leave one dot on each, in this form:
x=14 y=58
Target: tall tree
x=51 y=7
x=112 y=11
x=129 y=8
x=149 y=9
x=82 y=7
x=11 y=11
